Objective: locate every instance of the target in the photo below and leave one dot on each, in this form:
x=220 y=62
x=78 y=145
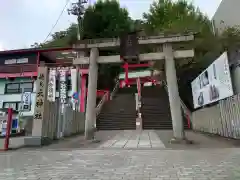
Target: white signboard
x=16 y=61
x=63 y=85
x=26 y=101
x=52 y=85
x=213 y=84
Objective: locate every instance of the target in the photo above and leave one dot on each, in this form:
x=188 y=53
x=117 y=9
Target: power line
x=60 y=15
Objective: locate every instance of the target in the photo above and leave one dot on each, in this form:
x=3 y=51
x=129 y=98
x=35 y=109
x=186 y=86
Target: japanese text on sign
x=39 y=98
x=63 y=86
x=51 y=85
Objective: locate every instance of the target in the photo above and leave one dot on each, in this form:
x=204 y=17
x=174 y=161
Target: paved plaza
x=14 y=143
x=130 y=155
x=121 y=164
x=134 y=139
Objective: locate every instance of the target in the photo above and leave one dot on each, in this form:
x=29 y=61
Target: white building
x=227 y=15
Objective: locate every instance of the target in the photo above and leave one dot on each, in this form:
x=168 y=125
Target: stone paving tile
x=134 y=139
x=200 y=140
x=14 y=142
x=114 y=164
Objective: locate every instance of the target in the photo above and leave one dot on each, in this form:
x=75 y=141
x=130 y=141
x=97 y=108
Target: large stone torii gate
x=168 y=54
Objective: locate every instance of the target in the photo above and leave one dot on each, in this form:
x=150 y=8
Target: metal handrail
x=101 y=103
x=105 y=98
x=114 y=90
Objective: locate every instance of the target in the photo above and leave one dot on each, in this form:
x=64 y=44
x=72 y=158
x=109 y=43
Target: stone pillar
x=174 y=98
x=91 y=96
x=39 y=115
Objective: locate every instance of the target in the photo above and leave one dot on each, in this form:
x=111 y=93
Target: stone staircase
x=156 y=109
x=120 y=112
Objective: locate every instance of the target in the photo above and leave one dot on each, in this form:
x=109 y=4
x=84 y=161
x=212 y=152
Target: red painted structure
x=129 y=81
x=8 y=130
x=126 y=67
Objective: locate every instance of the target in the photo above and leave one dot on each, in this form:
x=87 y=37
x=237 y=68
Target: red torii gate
x=127 y=66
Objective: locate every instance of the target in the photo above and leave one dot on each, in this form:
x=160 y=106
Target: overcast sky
x=24 y=22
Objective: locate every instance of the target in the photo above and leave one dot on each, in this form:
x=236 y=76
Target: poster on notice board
x=213 y=84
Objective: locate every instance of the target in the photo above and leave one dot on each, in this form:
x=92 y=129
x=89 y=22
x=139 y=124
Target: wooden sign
x=129 y=47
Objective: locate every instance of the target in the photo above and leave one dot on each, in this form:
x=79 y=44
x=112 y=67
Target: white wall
x=227 y=15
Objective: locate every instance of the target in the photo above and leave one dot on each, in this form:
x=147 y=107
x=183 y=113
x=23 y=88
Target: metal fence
x=57 y=124
x=222 y=119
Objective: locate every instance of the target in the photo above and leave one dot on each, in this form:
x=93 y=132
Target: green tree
x=105 y=19
x=62 y=38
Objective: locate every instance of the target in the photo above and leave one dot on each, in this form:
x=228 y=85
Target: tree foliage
x=105 y=19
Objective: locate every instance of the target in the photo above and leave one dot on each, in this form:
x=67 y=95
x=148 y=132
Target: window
x=13 y=88
x=13 y=105
x=26 y=87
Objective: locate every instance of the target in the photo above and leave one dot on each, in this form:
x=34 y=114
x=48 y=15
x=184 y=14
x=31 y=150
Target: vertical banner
x=52 y=85
x=63 y=86
x=74 y=93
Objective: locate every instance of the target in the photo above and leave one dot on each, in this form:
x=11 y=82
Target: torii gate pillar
x=91 y=97
x=173 y=93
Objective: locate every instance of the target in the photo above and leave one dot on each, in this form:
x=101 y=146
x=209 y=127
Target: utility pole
x=78 y=10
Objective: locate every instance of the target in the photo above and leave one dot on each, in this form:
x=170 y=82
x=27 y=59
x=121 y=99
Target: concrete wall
x=235 y=74
x=207 y=120
x=222 y=119
x=227 y=15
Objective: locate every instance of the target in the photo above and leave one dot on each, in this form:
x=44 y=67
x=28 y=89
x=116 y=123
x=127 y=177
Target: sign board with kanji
x=129 y=47
x=52 y=85
x=41 y=94
x=63 y=85
x=26 y=101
